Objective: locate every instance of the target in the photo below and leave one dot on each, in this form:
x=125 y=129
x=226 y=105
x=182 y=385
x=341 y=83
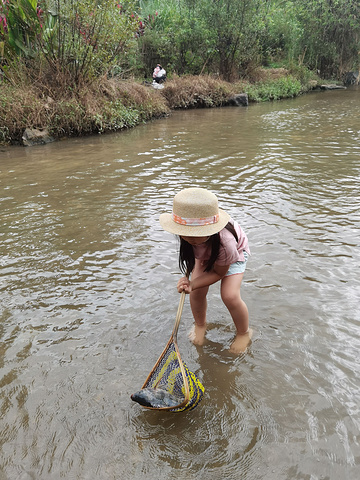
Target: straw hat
x=195 y=214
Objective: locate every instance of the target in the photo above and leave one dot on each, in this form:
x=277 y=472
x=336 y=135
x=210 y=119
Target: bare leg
x=198 y=305
x=230 y=294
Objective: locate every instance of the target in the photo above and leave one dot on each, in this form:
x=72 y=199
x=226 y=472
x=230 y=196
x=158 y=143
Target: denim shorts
x=238 y=267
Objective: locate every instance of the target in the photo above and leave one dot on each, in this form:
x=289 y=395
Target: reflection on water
x=88 y=298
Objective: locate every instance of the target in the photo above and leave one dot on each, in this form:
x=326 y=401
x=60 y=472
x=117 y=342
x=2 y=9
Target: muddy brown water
x=88 y=298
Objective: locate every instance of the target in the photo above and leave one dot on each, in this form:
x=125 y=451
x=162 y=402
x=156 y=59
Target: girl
x=213 y=247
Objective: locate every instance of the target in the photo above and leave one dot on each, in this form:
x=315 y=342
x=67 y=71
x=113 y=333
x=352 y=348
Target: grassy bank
x=109 y=105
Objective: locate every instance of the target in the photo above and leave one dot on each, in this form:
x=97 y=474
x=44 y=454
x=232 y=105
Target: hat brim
x=168 y=224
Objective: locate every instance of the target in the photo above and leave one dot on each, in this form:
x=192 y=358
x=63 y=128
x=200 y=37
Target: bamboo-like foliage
x=80 y=38
x=19 y=27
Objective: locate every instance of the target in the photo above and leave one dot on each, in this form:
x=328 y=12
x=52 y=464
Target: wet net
x=171 y=375
x=171 y=385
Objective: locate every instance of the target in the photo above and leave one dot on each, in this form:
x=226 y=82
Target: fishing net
x=171 y=375
x=171 y=385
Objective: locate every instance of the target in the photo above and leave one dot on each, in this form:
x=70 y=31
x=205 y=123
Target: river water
x=88 y=298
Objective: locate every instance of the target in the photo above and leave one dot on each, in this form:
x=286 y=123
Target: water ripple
x=88 y=290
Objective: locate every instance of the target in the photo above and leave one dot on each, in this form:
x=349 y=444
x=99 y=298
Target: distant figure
x=159 y=74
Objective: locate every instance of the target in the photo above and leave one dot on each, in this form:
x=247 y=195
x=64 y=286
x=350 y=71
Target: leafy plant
x=77 y=38
x=283 y=87
x=20 y=26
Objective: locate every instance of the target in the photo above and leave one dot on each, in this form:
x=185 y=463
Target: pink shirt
x=230 y=250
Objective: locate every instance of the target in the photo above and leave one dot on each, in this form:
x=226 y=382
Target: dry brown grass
x=197 y=92
x=20 y=108
x=105 y=105
x=133 y=94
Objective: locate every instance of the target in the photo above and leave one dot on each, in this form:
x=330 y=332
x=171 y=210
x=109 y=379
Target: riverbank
x=109 y=105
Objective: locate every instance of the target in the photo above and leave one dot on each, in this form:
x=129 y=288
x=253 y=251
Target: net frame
x=170 y=361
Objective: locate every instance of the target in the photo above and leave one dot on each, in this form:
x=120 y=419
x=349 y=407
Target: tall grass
x=105 y=105
x=196 y=92
x=112 y=104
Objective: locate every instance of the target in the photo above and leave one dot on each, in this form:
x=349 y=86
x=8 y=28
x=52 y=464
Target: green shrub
x=115 y=116
x=284 y=87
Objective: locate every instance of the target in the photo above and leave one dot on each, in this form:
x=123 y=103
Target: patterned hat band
x=195 y=222
x=195 y=213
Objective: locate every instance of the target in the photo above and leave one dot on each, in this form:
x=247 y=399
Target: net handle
x=173 y=339
x=178 y=315
x=179 y=310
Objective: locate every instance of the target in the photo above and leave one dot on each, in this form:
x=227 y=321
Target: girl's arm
x=203 y=280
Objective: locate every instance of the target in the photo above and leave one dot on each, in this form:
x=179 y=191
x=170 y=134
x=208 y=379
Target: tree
x=331 y=38
x=236 y=27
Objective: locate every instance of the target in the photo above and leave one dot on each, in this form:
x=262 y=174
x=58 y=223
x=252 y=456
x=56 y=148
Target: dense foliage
x=76 y=39
x=87 y=38
x=231 y=37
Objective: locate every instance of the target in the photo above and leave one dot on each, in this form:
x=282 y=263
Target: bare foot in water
x=241 y=342
x=197 y=334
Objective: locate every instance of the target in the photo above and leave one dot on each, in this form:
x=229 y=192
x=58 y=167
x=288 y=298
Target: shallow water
x=88 y=298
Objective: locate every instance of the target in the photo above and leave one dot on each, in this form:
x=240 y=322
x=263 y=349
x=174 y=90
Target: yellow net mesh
x=168 y=376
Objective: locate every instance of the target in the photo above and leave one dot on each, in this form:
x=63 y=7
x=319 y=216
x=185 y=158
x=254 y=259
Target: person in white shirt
x=159 y=74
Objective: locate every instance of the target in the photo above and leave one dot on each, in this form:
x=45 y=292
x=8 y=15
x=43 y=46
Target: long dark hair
x=186 y=252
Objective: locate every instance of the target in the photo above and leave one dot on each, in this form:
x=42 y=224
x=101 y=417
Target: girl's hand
x=184 y=285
